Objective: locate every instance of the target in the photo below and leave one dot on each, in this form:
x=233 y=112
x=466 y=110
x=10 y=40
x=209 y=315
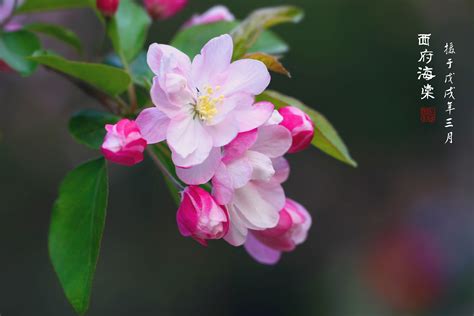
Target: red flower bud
x=162 y=9
x=108 y=7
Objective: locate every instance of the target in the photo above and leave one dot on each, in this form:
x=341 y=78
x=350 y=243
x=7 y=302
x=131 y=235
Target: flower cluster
x=221 y=139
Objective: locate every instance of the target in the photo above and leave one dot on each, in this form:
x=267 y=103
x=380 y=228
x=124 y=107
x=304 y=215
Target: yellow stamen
x=206 y=107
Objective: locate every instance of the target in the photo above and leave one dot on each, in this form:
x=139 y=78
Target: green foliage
x=325 y=138
x=48 y=5
x=248 y=32
x=191 y=40
x=128 y=29
x=58 y=32
x=15 y=46
x=141 y=73
x=87 y=127
x=162 y=152
x=76 y=230
x=106 y=78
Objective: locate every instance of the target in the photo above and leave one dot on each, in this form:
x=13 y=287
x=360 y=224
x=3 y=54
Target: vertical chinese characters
x=426 y=73
x=449 y=91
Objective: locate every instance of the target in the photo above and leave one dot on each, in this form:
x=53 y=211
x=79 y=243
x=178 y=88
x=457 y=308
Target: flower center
x=207 y=102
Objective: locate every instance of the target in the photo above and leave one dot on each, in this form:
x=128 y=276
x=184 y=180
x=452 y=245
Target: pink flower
x=202 y=105
x=248 y=180
x=163 y=9
x=214 y=14
x=266 y=246
x=300 y=125
x=6 y=9
x=108 y=7
x=123 y=143
x=200 y=217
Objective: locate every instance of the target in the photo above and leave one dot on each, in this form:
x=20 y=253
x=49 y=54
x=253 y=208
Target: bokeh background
x=394 y=236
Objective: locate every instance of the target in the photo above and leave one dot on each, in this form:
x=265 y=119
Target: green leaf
x=247 y=33
x=15 y=46
x=191 y=40
x=87 y=127
x=58 y=32
x=325 y=138
x=75 y=234
x=48 y=5
x=141 y=73
x=106 y=78
x=128 y=29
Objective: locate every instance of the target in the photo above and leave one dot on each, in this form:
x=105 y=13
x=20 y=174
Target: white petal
x=202 y=173
x=246 y=75
x=262 y=167
x=273 y=141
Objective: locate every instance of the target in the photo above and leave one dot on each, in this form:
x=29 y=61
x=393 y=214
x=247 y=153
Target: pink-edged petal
x=262 y=167
x=153 y=125
x=203 y=172
x=222 y=187
x=240 y=171
x=237 y=233
x=186 y=135
x=273 y=141
x=259 y=204
x=282 y=169
x=260 y=252
x=239 y=145
x=250 y=117
x=246 y=75
x=160 y=56
x=224 y=132
x=214 y=60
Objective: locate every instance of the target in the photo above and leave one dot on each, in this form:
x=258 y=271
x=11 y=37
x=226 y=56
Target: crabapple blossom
x=248 y=180
x=266 y=246
x=202 y=105
x=163 y=9
x=123 y=143
x=200 y=217
x=215 y=14
x=108 y=7
x=300 y=125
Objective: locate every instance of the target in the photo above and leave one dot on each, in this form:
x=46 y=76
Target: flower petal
x=224 y=132
x=240 y=171
x=272 y=140
x=222 y=188
x=253 y=116
x=246 y=75
x=237 y=231
x=239 y=145
x=214 y=60
x=202 y=173
x=262 y=167
x=160 y=55
x=260 y=252
x=259 y=204
x=282 y=169
x=153 y=125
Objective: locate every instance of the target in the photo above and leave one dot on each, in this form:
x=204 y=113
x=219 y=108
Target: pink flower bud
x=266 y=246
x=123 y=143
x=213 y=15
x=163 y=9
x=108 y=7
x=300 y=125
x=200 y=217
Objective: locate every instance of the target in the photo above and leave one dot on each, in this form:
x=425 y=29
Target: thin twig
x=105 y=100
x=164 y=170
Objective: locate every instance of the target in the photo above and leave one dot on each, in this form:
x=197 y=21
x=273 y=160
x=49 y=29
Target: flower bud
x=163 y=9
x=4 y=67
x=266 y=246
x=200 y=217
x=108 y=7
x=123 y=143
x=300 y=125
x=213 y=15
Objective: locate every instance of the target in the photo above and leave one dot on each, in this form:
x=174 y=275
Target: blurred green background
x=394 y=236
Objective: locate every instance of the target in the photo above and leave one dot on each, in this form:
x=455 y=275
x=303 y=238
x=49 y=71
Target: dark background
x=394 y=236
